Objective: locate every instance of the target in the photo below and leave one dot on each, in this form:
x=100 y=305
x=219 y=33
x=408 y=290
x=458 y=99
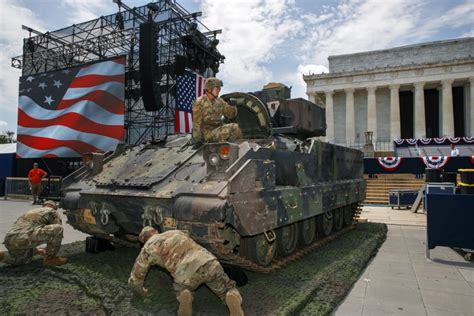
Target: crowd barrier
x=19 y=187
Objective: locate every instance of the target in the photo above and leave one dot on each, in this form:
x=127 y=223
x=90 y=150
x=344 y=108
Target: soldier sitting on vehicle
x=35 y=227
x=190 y=266
x=208 y=113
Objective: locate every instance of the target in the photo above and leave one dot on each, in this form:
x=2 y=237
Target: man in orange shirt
x=34 y=177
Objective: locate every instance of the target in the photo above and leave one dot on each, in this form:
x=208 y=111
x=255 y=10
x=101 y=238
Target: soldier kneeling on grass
x=35 y=227
x=190 y=266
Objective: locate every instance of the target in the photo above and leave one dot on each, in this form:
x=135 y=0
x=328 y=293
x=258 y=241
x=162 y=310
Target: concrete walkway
x=400 y=281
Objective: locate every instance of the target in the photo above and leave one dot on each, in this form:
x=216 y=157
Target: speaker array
x=149 y=70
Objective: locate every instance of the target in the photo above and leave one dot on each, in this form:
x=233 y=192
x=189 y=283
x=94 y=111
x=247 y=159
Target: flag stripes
x=190 y=86
x=68 y=113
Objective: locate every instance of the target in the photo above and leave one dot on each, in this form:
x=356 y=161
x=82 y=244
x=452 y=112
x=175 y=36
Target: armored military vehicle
x=277 y=189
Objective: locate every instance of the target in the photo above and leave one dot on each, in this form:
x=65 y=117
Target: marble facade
x=362 y=91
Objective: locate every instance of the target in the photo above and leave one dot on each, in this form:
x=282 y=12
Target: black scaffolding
x=179 y=34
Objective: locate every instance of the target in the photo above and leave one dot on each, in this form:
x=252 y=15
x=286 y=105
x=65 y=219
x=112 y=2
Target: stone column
x=350 y=118
x=311 y=96
x=329 y=116
x=471 y=106
x=420 y=121
x=372 y=112
x=448 y=113
x=394 y=111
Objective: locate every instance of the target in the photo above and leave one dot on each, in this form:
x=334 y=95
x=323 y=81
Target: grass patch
x=97 y=283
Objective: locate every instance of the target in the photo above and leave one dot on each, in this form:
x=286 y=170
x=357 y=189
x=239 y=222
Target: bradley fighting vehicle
x=246 y=201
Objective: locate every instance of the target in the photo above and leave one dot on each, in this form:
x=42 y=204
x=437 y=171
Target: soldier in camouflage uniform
x=208 y=113
x=190 y=266
x=35 y=227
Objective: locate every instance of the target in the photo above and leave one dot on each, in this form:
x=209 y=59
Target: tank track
x=280 y=263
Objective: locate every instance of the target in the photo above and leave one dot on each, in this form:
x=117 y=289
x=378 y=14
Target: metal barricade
x=19 y=187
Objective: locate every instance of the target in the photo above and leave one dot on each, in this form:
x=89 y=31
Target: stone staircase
x=377 y=188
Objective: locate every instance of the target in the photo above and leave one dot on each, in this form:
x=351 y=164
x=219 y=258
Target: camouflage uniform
x=35 y=227
x=207 y=120
x=190 y=265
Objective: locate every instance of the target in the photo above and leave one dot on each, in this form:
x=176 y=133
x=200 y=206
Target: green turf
x=97 y=283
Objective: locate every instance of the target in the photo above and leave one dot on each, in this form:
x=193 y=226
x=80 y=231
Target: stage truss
x=116 y=35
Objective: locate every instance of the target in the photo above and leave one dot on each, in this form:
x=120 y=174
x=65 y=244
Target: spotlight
x=152 y=7
x=119 y=21
x=30 y=45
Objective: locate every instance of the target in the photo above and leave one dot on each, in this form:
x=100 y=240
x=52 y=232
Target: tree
x=7 y=137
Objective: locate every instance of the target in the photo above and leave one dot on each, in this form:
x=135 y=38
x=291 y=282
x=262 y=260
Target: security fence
x=16 y=187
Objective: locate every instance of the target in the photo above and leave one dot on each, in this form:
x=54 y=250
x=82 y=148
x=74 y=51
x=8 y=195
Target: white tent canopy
x=8 y=148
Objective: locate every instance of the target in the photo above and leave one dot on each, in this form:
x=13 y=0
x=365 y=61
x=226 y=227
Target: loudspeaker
x=180 y=64
x=149 y=71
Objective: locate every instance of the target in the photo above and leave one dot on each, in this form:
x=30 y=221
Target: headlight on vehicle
x=224 y=152
x=214 y=159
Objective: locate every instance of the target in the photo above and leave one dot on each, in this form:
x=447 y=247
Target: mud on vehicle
x=260 y=197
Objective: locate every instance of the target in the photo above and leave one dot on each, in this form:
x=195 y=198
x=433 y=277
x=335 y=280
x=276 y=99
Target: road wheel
x=258 y=249
x=338 y=219
x=307 y=229
x=325 y=223
x=287 y=239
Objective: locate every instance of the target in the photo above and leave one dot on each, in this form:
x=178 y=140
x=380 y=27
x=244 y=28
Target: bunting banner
x=390 y=163
x=433 y=141
x=435 y=161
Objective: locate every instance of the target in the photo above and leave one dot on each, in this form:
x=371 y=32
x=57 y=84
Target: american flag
x=70 y=112
x=189 y=87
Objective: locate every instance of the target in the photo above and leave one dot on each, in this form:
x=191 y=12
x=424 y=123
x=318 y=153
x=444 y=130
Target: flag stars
x=42 y=85
x=57 y=83
x=48 y=99
x=30 y=78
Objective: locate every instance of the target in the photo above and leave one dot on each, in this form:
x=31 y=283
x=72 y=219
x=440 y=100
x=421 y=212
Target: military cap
x=212 y=83
x=51 y=203
x=145 y=231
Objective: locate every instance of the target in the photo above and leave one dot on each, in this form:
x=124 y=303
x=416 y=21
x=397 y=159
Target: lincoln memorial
x=417 y=91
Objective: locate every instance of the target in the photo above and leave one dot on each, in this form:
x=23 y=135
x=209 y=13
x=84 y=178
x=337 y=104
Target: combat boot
x=185 y=299
x=54 y=261
x=233 y=301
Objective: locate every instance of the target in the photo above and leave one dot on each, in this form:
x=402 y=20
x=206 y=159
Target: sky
x=262 y=40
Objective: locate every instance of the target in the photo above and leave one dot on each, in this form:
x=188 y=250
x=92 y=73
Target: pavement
x=399 y=280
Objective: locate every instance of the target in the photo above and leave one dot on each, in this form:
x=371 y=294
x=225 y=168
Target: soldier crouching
x=189 y=264
x=35 y=227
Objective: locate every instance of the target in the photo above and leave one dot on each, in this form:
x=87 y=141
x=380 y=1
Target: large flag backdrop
x=70 y=112
x=189 y=86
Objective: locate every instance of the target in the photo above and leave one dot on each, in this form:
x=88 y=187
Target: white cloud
x=364 y=25
x=3 y=124
x=251 y=32
x=79 y=11
x=11 y=40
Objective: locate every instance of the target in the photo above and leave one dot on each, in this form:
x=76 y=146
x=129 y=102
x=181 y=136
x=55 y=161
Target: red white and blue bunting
x=435 y=161
x=390 y=163
x=433 y=141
